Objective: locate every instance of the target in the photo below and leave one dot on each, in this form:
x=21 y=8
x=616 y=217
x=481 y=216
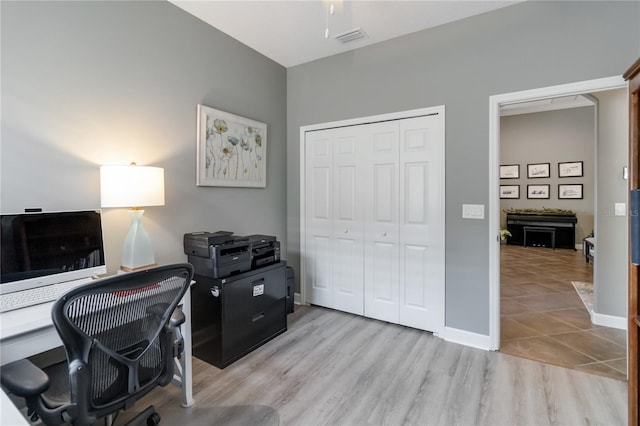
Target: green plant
x=544 y=210
x=504 y=233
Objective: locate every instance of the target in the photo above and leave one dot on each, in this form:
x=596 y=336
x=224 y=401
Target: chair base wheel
x=153 y=420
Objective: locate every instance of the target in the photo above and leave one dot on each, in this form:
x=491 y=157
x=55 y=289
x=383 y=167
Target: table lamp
x=134 y=187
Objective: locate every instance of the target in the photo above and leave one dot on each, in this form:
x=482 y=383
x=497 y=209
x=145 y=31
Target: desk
x=30 y=331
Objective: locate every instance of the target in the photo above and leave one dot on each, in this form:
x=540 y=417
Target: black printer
x=217 y=254
x=265 y=250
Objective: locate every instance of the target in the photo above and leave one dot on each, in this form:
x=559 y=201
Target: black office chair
x=120 y=335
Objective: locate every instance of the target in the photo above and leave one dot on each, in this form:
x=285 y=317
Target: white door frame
x=495 y=102
x=350 y=122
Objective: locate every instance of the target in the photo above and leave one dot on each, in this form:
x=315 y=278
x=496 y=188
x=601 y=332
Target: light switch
x=473 y=211
x=620 y=209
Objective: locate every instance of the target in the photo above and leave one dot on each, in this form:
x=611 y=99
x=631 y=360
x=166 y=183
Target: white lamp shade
x=131 y=186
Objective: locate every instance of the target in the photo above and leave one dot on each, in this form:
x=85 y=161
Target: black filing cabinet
x=234 y=315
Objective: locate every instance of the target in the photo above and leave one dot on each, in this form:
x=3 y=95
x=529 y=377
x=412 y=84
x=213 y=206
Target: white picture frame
x=231 y=150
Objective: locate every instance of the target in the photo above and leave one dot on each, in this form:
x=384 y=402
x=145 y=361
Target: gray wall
x=610 y=268
x=551 y=137
x=460 y=65
x=91 y=83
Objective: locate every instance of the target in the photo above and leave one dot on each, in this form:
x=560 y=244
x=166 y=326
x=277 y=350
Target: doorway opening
x=570 y=258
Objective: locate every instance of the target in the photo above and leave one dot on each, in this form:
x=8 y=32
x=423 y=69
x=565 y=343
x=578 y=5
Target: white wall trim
x=495 y=102
x=467 y=338
x=609 y=321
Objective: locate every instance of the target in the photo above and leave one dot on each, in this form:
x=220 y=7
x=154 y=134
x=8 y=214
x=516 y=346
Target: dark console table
x=556 y=231
x=234 y=315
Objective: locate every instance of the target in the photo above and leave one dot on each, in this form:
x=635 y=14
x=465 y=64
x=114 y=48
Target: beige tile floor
x=544 y=319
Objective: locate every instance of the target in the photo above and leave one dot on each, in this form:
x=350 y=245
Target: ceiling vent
x=351 y=35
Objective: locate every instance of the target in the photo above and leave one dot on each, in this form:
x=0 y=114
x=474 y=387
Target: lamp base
x=137 y=251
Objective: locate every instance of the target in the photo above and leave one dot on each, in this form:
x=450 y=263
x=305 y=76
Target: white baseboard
x=609 y=321
x=467 y=338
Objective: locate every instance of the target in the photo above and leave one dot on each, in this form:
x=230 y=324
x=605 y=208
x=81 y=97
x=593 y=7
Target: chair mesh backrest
x=122 y=330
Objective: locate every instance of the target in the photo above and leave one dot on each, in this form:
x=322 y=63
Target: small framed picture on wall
x=566 y=192
x=510 y=191
x=538 y=191
x=573 y=169
x=539 y=170
x=510 y=171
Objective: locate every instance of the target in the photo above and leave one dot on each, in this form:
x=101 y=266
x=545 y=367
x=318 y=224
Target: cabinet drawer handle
x=346 y=231
x=257 y=317
x=384 y=234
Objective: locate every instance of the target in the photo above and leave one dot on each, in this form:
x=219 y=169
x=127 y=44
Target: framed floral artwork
x=231 y=150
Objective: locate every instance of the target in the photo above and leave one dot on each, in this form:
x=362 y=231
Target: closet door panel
x=381 y=223
x=319 y=267
x=348 y=256
x=422 y=223
x=416 y=181
x=319 y=217
x=348 y=276
x=415 y=271
x=382 y=281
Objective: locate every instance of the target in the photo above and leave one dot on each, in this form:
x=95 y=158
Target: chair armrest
x=24 y=379
x=177 y=318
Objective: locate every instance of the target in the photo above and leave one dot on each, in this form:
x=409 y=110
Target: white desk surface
x=14 y=327
x=9 y=413
x=26 y=332
x=25 y=320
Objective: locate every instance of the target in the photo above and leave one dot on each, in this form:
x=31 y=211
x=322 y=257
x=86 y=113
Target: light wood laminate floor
x=334 y=368
x=544 y=319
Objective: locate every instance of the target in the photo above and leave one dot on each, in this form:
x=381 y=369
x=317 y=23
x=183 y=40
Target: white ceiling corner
x=292 y=32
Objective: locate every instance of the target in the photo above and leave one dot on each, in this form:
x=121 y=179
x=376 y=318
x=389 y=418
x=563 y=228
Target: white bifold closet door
x=422 y=220
x=382 y=219
x=334 y=224
x=374 y=215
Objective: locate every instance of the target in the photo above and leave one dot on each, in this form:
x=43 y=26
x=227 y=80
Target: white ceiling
x=292 y=32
